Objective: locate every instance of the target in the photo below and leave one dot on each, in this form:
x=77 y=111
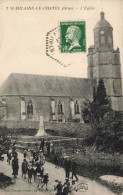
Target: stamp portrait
x=72 y=37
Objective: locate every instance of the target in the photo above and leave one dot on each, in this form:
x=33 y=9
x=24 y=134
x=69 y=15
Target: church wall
x=41 y=106
x=105 y=57
x=117 y=103
x=110 y=71
x=96 y=58
x=13 y=107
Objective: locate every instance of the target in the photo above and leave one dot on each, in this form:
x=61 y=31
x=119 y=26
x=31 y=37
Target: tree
x=106 y=123
x=100 y=97
x=109 y=132
x=88 y=111
x=96 y=109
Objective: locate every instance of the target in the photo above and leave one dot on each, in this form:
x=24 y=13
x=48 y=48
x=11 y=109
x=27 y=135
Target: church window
x=76 y=107
x=30 y=107
x=102 y=39
x=60 y=108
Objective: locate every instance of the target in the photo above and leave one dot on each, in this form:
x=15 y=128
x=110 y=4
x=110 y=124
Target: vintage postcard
x=61 y=97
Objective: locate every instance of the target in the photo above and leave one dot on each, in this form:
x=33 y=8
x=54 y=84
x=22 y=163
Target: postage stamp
x=72 y=37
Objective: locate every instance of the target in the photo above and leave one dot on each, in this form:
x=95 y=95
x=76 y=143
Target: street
x=22 y=186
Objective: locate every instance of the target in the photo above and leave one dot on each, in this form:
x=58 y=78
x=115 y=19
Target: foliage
x=109 y=133
x=4 y=140
x=95 y=110
x=106 y=123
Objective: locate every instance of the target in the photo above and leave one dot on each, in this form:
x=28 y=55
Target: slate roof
x=42 y=85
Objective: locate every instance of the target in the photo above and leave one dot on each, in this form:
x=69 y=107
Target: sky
x=23 y=34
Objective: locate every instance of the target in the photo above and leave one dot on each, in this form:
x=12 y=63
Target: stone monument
x=41 y=131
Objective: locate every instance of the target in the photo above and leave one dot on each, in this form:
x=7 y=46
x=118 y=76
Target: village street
x=22 y=186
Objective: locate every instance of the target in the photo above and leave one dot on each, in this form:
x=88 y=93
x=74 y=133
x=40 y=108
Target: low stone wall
x=66 y=129
x=20 y=124
x=69 y=129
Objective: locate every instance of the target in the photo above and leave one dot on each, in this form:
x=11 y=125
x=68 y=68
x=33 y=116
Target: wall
x=13 y=107
x=41 y=106
x=74 y=129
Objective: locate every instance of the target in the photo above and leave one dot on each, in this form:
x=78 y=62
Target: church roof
x=42 y=85
x=102 y=22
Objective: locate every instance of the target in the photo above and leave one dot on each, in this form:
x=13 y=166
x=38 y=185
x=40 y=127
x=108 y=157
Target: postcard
x=61 y=97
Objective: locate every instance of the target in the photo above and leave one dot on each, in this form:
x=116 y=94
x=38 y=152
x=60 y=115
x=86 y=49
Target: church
x=25 y=97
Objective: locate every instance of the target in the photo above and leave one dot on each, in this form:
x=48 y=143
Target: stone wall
x=68 y=129
x=41 y=106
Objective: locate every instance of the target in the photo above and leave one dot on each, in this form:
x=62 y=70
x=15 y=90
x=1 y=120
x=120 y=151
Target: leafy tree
x=109 y=133
x=106 y=123
x=96 y=109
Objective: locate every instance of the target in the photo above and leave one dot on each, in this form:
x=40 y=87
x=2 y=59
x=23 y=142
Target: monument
x=41 y=131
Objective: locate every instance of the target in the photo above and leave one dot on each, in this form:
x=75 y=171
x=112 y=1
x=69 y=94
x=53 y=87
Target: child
x=9 y=156
x=34 y=173
x=24 y=168
x=25 y=153
x=55 y=186
x=30 y=173
x=45 y=180
x=59 y=188
x=56 y=161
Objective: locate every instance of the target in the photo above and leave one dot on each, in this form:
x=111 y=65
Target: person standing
x=14 y=153
x=59 y=188
x=15 y=166
x=30 y=173
x=67 y=166
x=45 y=180
x=56 y=161
x=54 y=186
x=24 y=168
x=42 y=145
x=25 y=153
x=9 y=156
x=66 y=187
x=48 y=147
x=41 y=157
x=73 y=168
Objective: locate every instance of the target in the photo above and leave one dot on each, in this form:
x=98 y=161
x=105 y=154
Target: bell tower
x=104 y=62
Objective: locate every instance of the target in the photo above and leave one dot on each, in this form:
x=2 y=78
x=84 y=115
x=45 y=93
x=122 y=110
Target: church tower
x=104 y=62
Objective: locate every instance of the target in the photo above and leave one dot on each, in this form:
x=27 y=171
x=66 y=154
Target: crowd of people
x=33 y=167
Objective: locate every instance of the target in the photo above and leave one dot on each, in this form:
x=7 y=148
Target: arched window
x=60 y=108
x=30 y=107
x=76 y=107
x=102 y=39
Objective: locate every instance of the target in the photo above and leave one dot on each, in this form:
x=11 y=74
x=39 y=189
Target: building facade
x=27 y=97
x=104 y=62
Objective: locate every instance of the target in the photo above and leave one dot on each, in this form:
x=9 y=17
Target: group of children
x=66 y=188
x=34 y=168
